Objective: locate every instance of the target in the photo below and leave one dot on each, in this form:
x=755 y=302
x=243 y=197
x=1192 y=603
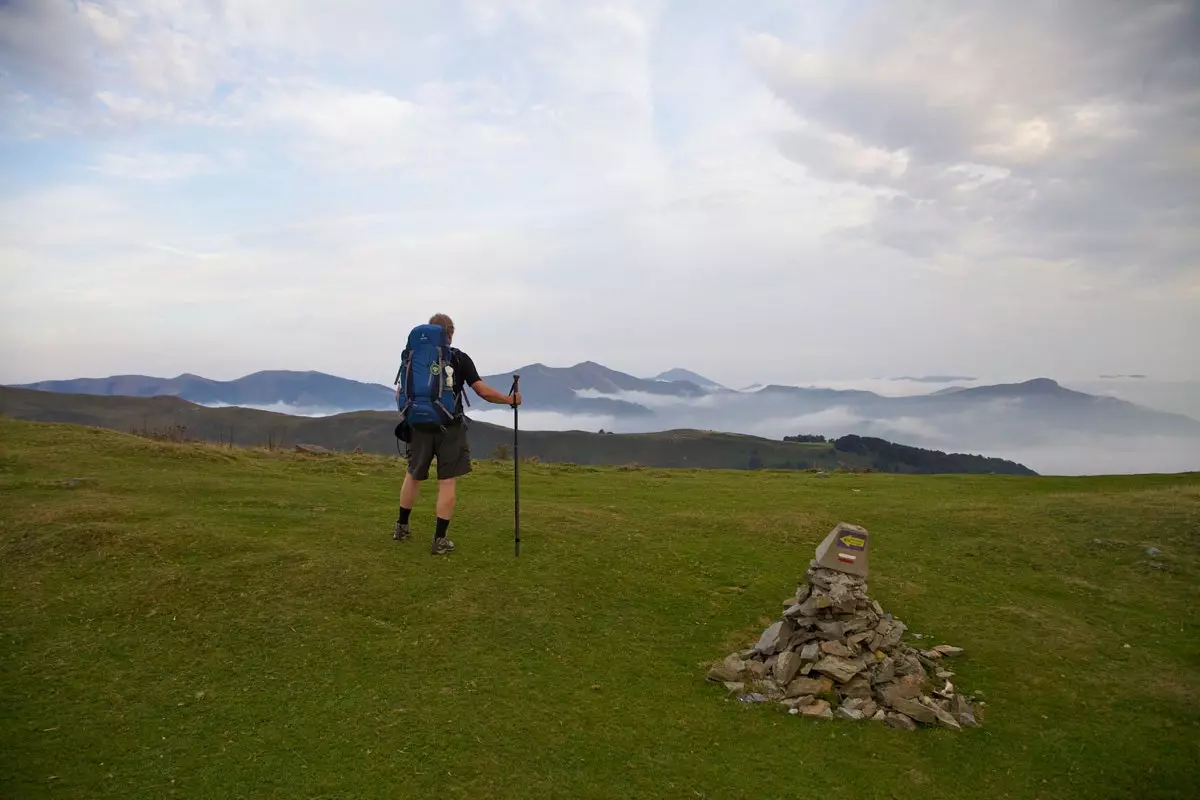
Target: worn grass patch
x=204 y=622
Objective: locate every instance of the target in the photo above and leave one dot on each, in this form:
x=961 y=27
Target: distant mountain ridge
x=372 y=431
x=594 y=396
x=309 y=390
x=687 y=376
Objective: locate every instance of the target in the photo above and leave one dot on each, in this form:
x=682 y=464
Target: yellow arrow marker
x=852 y=541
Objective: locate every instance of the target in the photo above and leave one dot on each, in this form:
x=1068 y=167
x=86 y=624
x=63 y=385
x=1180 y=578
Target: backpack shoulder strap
x=462 y=387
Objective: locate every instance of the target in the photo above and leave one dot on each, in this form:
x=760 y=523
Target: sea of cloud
x=992 y=429
x=984 y=430
x=285 y=408
x=891 y=387
x=1174 y=396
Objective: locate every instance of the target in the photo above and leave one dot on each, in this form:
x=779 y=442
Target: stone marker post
x=845 y=549
x=836 y=653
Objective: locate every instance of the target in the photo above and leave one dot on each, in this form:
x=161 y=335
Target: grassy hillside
x=192 y=621
x=372 y=431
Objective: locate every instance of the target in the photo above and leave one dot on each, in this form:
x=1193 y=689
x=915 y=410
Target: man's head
x=445 y=321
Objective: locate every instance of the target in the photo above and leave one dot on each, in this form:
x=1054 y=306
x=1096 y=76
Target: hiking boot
x=441 y=545
x=402 y=532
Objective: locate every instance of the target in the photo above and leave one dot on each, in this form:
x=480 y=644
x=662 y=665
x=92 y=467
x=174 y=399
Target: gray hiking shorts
x=448 y=446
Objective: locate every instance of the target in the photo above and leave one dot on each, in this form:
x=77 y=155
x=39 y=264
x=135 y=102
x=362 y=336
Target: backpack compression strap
x=406 y=371
x=435 y=386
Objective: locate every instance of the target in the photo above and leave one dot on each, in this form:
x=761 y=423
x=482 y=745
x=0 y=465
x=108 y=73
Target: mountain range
x=174 y=419
x=589 y=395
x=313 y=392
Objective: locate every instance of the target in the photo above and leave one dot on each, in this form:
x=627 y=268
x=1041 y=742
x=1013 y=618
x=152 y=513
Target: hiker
x=430 y=390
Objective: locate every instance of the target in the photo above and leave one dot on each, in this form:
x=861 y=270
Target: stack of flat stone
x=835 y=652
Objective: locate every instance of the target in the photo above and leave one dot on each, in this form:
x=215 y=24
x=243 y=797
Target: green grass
x=199 y=622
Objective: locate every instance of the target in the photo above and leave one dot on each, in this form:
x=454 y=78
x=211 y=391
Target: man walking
x=445 y=440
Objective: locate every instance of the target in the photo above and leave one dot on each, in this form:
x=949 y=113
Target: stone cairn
x=836 y=652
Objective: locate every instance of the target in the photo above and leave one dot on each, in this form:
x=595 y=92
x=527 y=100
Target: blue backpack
x=426 y=379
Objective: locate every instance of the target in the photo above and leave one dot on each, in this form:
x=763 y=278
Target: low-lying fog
x=996 y=428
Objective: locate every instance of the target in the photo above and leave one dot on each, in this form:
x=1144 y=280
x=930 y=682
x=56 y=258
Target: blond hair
x=443 y=320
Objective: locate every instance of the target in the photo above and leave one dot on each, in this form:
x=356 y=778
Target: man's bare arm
x=494 y=396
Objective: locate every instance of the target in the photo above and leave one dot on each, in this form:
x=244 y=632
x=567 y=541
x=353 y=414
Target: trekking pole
x=516 y=476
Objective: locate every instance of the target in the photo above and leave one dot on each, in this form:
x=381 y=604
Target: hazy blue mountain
x=1046 y=403
x=313 y=391
x=372 y=431
x=590 y=388
x=1180 y=396
x=686 y=375
x=1032 y=413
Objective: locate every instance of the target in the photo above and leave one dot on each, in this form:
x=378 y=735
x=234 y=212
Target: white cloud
x=771 y=192
x=542 y=420
x=156 y=167
x=1105 y=455
x=438 y=132
x=887 y=387
x=654 y=401
x=830 y=422
x=1048 y=453
x=350 y=128
x=1176 y=397
x=285 y=408
x=1084 y=167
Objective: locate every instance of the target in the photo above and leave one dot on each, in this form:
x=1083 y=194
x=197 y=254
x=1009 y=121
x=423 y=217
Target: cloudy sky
x=770 y=191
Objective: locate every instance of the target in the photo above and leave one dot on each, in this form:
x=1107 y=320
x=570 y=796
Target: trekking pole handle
x=513 y=390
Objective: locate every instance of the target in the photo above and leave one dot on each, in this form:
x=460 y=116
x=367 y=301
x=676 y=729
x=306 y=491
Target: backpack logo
x=435 y=368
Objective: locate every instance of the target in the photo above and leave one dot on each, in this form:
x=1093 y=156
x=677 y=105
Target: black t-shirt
x=465 y=374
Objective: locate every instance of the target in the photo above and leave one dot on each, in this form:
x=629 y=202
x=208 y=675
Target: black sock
x=404 y=512
x=442 y=525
